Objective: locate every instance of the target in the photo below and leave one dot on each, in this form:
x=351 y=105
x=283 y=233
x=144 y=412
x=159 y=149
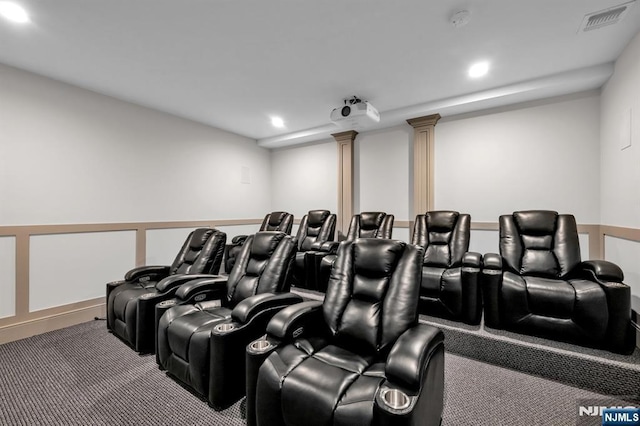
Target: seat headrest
x=371 y=220
x=373 y=257
x=200 y=238
x=441 y=221
x=536 y=222
x=265 y=243
x=275 y=218
x=317 y=217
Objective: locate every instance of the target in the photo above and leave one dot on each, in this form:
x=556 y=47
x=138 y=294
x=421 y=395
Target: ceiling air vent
x=605 y=17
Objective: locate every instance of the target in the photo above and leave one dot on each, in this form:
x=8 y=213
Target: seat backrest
x=277 y=221
x=539 y=242
x=444 y=235
x=262 y=266
x=373 y=293
x=201 y=252
x=316 y=226
x=370 y=225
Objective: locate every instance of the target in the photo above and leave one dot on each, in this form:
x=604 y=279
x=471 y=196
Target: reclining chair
x=202 y=345
x=131 y=302
x=319 y=261
x=538 y=285
x=276 y=221
x=317 y=227
x=360 y=357
x=450 y=273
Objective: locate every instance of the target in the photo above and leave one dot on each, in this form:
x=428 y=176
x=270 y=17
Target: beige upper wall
x=69 y=155
x=538 y=155
x=305 y=178
x=620 y=124
x=620 y=168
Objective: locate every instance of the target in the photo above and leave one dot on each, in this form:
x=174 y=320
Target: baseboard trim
x=49 y=323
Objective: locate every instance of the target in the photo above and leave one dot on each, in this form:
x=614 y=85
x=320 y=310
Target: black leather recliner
x=317 y=227
x=203 y=345
x=336 y=363
x=450 y=273
x=538 y=285
x=131 y=302
x=319 y=261
x=275 y=221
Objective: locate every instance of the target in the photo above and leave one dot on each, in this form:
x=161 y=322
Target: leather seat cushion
x=338 y=383
x=191 y=331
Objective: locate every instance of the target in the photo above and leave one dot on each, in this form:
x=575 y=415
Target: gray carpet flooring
x=82 y=375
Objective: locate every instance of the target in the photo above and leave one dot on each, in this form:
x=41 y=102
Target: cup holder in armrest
x=224 y=328
x=395 y=399
x=260 y=345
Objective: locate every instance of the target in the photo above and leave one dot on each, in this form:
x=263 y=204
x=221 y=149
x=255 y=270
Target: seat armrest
x=410 y=355
x=154 y=273
x=330 y=247
x=472 y=259
x=492 y=263
x=602 y=270
x=316 y=246
x=173 y=281
x=214 y=285
x=247 y=309
x=292 y=321
x=239 y=239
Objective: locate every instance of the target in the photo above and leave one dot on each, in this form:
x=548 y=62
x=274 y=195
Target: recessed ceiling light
x=478 y=69
x=277 y=122
x=13 y=12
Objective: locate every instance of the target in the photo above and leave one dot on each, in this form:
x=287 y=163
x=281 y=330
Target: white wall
x=382 y=172
x=620 y=168
x=73 y=156
x=7 y=276
x=534 y=156
x=75 y=267
x=304 y=178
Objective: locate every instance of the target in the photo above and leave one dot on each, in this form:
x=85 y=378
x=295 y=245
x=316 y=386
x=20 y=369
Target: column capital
x=349 y=135
x=427 y=120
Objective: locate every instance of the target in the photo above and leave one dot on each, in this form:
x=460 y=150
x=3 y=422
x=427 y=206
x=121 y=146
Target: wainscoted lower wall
x=54 y=276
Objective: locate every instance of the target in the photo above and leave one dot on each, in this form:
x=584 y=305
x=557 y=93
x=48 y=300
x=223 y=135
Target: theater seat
x=317 y=227
x=360 y=357
x=319 y=261
x=201 y=343
x=131 y=302
x=275 y=221
x=450 y=273
x=538 y=285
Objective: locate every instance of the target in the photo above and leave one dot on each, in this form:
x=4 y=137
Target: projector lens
x=346 y=110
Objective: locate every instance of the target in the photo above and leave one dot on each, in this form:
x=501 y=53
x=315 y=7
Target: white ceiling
x=234 y=64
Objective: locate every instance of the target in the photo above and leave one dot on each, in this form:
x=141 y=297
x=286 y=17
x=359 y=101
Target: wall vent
x=605 y=17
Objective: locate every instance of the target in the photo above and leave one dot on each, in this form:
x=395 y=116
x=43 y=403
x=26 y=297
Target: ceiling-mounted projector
x=355 y=113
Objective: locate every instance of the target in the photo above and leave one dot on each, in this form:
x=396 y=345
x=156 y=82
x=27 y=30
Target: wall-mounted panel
x=626 y=254
x=7 y=276
x=68 y=268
